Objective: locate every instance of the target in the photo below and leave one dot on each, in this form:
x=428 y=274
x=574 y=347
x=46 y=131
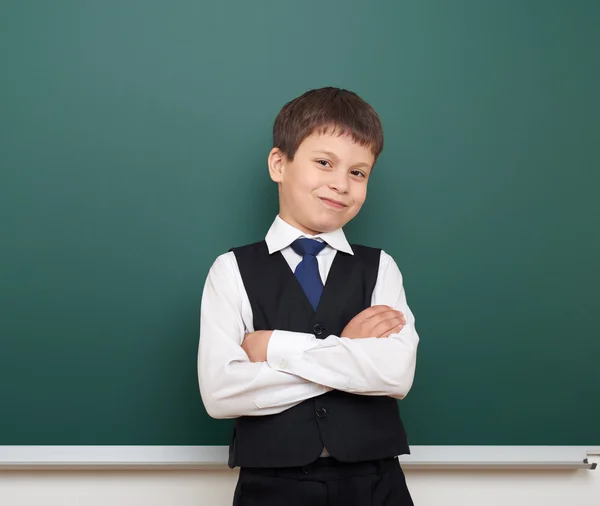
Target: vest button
x=318 y=329
x=321 y=412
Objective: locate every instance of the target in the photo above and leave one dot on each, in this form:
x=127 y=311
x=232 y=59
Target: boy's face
x=325 y=185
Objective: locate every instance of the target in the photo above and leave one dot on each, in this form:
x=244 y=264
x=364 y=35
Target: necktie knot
x=305 y=246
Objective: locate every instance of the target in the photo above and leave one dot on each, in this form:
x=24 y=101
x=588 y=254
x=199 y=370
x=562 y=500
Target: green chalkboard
x=133 y=145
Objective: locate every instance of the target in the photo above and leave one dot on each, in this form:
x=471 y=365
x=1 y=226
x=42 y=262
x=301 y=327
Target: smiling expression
x=325 y=185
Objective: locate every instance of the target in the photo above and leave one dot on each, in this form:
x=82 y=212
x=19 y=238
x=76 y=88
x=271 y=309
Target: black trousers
x=326 y=482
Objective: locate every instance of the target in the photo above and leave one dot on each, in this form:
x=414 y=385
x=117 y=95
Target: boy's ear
x=276 y=163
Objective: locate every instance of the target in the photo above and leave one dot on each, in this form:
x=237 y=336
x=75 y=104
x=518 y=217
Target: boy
x=306 y=340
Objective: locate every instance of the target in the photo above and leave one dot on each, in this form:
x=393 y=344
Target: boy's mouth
x=335 y=204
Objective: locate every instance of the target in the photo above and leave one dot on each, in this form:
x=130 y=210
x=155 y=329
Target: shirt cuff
x=284 y=347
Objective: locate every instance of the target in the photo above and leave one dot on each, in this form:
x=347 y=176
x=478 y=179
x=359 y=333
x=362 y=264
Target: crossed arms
x=246 y=373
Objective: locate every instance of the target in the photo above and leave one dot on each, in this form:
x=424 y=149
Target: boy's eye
x=324 y=163
x=358 y=173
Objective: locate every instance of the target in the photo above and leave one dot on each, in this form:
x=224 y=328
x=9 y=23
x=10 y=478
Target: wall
x=215 y=488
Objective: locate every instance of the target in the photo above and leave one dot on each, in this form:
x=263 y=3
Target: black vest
x=352 y=427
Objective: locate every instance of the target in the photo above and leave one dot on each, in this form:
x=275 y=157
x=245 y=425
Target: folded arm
x=366 y=366
x=230 y=384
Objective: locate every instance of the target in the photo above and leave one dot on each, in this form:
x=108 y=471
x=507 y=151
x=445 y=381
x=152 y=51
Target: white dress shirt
x=299 y=366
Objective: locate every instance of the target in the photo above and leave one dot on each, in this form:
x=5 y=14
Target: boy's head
x=325 y=144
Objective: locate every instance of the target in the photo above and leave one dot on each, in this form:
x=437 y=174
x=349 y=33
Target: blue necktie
x=307 y=271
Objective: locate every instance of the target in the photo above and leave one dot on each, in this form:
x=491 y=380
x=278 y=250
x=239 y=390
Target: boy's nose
x=339 y=183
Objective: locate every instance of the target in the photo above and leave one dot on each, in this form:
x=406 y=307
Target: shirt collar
x=282 y=234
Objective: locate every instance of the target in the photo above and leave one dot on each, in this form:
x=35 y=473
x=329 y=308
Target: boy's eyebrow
x=335 y=157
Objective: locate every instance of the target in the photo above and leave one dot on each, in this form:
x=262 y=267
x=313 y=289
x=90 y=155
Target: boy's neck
x=298 y=226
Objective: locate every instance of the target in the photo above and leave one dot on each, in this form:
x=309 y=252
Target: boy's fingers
x=386 y=326
x=376 y=314
x=395 y=330
x=385 y=316
x=383 y=309
x=373 y=311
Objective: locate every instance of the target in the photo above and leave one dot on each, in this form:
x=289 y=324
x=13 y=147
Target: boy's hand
x=375 y=321
x=255 y=345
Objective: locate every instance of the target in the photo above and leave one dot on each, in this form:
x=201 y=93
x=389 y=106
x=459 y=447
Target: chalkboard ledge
x=215 y=457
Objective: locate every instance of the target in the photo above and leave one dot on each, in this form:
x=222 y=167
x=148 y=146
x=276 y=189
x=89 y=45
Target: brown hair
x=327 y=110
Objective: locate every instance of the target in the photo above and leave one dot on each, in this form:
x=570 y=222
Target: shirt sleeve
x=367 y=366
x=230 y=384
